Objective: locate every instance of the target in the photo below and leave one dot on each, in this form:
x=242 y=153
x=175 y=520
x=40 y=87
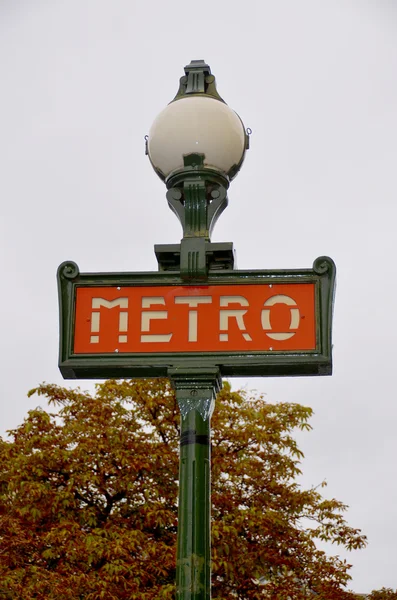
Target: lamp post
x=197 y=146
x=197 y=318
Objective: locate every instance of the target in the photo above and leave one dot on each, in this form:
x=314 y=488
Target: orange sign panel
x=214 y=318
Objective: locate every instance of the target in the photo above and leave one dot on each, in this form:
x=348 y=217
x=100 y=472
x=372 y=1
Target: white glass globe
x=196 y=124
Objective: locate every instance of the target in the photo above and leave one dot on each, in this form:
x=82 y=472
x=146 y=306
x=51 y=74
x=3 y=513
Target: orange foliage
x=383 y=594
x=88 y=500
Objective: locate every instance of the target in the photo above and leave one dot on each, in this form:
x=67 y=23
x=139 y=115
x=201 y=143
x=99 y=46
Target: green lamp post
x=197 y=146
x=197 y=318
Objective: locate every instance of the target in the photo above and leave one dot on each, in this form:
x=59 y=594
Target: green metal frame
x=230 y=364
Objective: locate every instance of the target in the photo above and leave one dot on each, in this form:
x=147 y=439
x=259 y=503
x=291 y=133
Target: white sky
x=81 y=81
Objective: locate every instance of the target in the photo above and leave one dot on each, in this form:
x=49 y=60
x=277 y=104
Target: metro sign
x=247 y=323
x=213 y=318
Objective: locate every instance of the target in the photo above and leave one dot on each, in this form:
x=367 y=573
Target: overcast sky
x=81 y=81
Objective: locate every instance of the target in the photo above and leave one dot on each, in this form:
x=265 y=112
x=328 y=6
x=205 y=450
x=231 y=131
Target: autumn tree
x=88 y=500
x=383 y=594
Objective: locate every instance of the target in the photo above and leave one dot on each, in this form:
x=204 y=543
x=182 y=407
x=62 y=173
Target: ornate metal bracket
x=197 y=196
x=196 y=389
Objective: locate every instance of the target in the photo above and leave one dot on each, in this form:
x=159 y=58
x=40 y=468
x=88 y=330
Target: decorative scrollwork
x=69 y=270
x=323 y=264
x=175 y=193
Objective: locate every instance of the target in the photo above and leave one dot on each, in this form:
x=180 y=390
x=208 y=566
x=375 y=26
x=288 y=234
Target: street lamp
x=197 y=318
x=197 y=145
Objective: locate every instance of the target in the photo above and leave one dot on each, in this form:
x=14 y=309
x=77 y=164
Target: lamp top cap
x=197 y=81
x=199 y=65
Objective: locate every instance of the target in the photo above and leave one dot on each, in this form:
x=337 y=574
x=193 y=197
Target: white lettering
x=295 y=317
x=237 y=314
x=123 y=326
x=193 y=302
x=147 y=317
x=97 y=303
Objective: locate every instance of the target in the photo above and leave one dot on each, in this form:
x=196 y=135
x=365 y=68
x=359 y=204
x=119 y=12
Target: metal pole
x=195 y=392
